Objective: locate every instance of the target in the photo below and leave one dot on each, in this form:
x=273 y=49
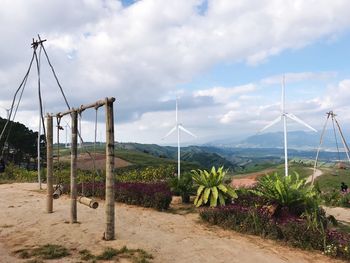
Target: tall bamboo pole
x=49 y=141
x=38 y=154
x=110 y=201
x=73 y=174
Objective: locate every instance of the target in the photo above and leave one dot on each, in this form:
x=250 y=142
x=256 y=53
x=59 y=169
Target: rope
x=39 y=87
x=92 y=157
x=20 y=88
x=54 y=73
x=23 y=83
x=95 y=139
x=335 y=136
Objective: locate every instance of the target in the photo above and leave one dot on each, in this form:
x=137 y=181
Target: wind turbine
x=283 y=117
x=178 y=126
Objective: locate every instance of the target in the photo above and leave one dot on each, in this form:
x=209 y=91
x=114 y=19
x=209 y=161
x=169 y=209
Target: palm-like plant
x=287 y=191
x=211 y=187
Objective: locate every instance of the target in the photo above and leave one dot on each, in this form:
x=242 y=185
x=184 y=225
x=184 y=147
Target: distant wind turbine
x=178 y=126
x=283 y=117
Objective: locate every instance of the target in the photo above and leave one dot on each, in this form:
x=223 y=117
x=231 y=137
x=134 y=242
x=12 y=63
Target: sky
x=223 y=59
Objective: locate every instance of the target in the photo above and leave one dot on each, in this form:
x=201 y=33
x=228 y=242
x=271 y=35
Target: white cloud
x=224 y=95
x=292 y=77
x=142 y=53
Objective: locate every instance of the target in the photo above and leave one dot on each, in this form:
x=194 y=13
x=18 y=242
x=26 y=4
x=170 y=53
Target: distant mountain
x=256 y=151
x=298 y=140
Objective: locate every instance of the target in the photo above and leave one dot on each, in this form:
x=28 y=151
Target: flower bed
x=155 y=195
x=295 y=231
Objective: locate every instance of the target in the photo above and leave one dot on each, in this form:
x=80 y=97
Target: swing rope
x=335 y=137
x=92 y=157
x=59 y=128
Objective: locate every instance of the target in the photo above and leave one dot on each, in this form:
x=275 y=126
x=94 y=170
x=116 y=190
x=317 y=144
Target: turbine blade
x=170 y=132
x=188 y=132
x=271 y=124
x=295 y=118
x=176 y=110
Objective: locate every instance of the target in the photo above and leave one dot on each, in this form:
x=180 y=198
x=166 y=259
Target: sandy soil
x=340 y=213
x=168 y=237
x=86 y=163
x=250 y=179
x=318 y=173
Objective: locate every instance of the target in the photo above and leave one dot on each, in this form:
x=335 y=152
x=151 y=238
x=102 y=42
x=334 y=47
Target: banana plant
x=210 y=187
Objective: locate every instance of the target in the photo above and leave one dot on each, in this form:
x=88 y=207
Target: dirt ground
x=249 y=180
x=169 y=237
x=86 y=163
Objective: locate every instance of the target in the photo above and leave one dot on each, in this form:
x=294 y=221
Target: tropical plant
x=211 y=187
x=288 y=191
x=182 y=186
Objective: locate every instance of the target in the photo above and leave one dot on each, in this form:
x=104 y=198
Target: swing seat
x=58 y=192
x=88 y=202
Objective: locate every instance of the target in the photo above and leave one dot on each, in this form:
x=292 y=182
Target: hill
x=203 y=157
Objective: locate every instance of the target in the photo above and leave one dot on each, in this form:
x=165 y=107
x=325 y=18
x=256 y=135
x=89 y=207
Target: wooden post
x=110 y=200
x=49 y=141
x=73 y=173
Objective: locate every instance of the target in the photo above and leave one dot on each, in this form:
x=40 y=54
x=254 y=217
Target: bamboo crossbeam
x=95 y=105
x=88 y=202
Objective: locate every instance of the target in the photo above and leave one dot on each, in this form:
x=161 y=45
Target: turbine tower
x=178 y=126
x=283 y=117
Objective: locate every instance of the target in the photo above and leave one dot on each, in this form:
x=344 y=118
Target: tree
x=19 y=144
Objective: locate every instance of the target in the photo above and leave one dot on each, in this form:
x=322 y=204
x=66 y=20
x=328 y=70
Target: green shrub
x=15 y=173
x=288 y=191
x=210 y=187
x=336 y=198
x=183 y=186
x=148 y=174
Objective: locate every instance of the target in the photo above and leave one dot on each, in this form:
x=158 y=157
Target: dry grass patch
x=48 y=251
x=135 y=255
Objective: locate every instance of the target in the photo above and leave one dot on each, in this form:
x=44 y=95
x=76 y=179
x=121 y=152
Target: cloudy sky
x=224 y=59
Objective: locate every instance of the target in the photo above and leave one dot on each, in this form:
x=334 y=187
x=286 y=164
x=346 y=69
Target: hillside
x=151 y=153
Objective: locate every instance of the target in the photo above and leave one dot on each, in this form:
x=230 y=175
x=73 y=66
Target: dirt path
x=248 y=180
x=86 y=163
x=168 y=237
x=318 y=173
x=340 y=213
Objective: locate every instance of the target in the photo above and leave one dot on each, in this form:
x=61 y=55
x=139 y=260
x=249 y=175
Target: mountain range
x=298 y=140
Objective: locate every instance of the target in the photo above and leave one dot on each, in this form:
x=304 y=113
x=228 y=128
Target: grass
x=48 y=251
x=332 y=178
x=303 y=170
x=6 y=226
x=135 y=255
x=108 y=254
x=254 y=168
x=86 y=255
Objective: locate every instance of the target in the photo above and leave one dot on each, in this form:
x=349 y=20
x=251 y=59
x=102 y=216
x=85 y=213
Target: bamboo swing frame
x=109 y=233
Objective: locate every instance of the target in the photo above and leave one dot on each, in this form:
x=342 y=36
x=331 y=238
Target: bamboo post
x=49 y=141
x=110 y=201
x=73 y=174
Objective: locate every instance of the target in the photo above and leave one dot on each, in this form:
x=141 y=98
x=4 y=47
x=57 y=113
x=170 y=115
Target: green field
x=332 y=178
